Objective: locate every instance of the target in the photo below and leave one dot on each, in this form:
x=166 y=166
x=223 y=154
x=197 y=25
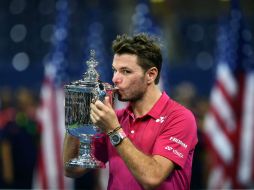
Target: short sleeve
x=178 y=137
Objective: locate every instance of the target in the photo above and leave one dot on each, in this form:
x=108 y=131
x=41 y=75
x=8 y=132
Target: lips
x=116 y=89
x=119 y=91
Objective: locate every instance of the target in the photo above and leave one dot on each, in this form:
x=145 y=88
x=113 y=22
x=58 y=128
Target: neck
x=144 y=105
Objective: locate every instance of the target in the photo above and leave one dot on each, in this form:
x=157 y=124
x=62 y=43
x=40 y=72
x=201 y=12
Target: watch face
x=115 y=139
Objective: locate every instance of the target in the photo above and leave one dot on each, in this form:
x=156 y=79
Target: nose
x=116 y=78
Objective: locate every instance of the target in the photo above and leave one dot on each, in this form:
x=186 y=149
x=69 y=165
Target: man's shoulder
x=177 y=111
x=175 y=105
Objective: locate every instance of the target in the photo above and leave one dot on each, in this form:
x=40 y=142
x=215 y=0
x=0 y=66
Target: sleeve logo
x=178 y=141
x=169 y=148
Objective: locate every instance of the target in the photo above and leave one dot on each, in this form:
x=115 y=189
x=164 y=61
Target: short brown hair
x=142 y=45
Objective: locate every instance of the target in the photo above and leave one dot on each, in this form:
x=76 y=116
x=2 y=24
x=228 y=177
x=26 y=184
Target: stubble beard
x=133 y=97
x=135 y=93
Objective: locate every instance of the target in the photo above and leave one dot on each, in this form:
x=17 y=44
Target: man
x=150 y=143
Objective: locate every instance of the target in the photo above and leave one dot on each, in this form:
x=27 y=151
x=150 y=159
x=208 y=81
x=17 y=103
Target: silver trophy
x=78 y=96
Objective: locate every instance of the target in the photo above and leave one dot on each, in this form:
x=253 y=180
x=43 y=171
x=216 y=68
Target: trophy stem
x=85 y=150
x=85 y=158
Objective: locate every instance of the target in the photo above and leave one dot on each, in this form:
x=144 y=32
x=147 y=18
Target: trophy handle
x=109 y=91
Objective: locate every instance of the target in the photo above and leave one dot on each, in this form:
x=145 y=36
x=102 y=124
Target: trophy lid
x=91 y=75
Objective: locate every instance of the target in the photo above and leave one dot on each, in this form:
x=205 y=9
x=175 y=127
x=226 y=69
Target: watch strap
x=114 y=130
x=122 y=134
x=119 y=135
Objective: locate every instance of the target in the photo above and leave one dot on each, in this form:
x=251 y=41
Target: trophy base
x=85 y=163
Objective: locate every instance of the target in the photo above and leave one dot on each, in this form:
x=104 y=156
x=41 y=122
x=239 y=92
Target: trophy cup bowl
x=78 y=97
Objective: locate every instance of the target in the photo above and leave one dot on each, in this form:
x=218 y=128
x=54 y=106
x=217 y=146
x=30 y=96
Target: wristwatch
x=117 y=137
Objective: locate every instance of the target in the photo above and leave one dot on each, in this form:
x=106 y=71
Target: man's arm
x=150 y=171
x=70 y=150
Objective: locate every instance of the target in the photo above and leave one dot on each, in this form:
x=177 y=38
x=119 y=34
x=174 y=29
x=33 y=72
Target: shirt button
x=132 y=131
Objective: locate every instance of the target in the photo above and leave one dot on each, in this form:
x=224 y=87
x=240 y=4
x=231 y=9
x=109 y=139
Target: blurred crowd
x=20 y=138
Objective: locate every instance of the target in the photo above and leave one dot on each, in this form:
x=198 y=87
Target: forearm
x=147 y=170
x=70 y=151
x=150 y=171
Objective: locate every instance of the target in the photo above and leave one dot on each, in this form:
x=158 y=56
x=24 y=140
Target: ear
x=151 y=74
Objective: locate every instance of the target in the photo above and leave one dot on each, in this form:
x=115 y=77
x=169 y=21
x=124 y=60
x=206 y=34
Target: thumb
x=107 y=101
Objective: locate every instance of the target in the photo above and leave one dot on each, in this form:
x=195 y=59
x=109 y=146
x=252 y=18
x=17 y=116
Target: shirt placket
x=132 y=129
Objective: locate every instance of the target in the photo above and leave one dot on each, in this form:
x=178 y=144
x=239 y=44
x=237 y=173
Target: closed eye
x=125 y=71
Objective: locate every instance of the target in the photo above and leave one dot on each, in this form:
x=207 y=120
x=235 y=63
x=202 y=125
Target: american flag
x=229 y=124
x=50 y=174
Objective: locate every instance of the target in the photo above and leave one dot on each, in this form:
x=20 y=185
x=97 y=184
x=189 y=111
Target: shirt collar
x=156 y=109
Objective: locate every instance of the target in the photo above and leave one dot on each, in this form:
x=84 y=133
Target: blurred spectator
x=185 y=93
x=199 y=177
x=89 y=181
x=19 y=139
x=7 y=115
x=19 y=142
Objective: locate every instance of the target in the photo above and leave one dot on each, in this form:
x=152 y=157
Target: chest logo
x=161 y=119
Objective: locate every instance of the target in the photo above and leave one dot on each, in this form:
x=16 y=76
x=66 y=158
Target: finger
x=95 y=116
x=93 y=106
x=107 y=101
x=99 y=105
x=92 y=118
x=95 y=111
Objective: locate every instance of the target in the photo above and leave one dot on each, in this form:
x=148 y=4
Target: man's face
x=129 y=77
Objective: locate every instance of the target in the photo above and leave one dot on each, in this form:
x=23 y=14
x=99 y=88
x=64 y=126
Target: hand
x=103 y=115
